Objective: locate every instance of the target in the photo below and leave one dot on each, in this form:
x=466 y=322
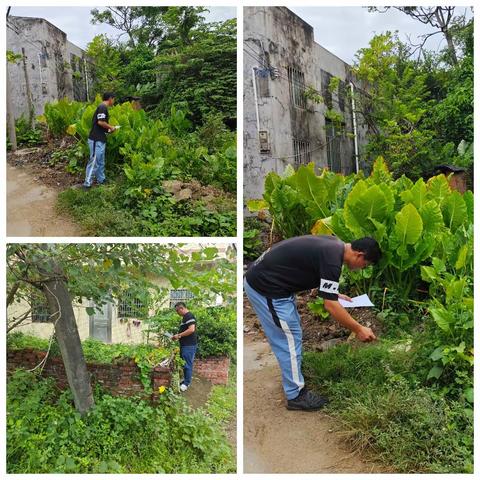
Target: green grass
x=222 y=401
x=96 y=211
x=102 y=211
x=388 y=410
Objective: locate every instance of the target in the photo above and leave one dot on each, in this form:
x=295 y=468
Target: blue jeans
x=281 y=323
x=187 y=353
x=96 y=163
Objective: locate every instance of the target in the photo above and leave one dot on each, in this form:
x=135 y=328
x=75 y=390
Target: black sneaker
x=307 y=400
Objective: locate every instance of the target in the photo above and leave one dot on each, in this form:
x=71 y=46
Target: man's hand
x=365 y=334
x=344 y=297
x=176 y=337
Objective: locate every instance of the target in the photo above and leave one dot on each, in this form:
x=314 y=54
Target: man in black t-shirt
x=295 y=265
x=188 y=342
x=97 y=141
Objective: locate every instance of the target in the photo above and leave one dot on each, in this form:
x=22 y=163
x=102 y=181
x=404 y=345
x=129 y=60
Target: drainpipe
x=255 y=96
x=354 y=119
x=86 y=78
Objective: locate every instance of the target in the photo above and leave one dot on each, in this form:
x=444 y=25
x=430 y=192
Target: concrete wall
x=48 y=54
x=276 y=39
x=123 y=330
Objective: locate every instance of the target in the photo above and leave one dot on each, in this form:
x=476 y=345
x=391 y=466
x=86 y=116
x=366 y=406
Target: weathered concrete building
x=297 y=100
x=47 y=66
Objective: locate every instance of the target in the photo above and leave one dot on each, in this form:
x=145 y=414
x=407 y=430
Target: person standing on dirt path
x=187 y=336
x=291 y=266
x=97 y=142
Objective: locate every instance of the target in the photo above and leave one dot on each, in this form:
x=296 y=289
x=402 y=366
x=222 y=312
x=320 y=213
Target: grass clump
x=388 y=409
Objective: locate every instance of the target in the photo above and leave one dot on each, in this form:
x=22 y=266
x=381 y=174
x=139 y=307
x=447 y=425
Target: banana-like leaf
x=408 y=225
x=454 y=211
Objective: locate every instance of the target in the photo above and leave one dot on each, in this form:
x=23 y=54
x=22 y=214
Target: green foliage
x=222 y=401
x=46 y=435
x=216 y=329
x=144 y=153
x=27 y=136
x=389 y=409
x=59 y=115
x=418 y=111
x=252 y=243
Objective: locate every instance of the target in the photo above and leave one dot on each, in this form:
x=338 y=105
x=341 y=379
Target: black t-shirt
x=98 y=133
x=187 y=320
x=297 y=264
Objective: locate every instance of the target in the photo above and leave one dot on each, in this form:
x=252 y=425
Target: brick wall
x=121 y=379
x=214 y=369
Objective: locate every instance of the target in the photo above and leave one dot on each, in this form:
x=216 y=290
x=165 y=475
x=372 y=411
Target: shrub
x=216 y=329
x=46 y=435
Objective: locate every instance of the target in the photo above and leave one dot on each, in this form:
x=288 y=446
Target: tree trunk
x=66 y=332
x=12 y=135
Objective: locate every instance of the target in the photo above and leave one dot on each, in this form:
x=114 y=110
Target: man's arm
x=339 y=313
x=106 y=125
x=186 y=333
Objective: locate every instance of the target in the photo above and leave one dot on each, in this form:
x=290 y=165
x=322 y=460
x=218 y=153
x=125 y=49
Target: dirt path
x=31 y=208
x=277 y=440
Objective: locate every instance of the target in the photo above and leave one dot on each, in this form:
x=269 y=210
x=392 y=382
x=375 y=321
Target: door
x=101 y=324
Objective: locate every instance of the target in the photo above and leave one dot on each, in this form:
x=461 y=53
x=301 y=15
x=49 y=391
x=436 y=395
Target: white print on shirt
x=328 y=286
x=260 y=258
x=100 y=116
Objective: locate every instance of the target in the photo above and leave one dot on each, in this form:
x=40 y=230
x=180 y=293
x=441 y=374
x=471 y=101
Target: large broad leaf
x=455 y=290
x=256 y=205
x=438 y=189
x=314 y=191
x=417 y=195
x=322 y=227
x=371 y=204
x=454 y=211
x=431 y=216
x=271 y=181
x=443 y=318
x=462 y=257
x=435 y=372
x=380 y=173
x=408 y=225
x=468 y=197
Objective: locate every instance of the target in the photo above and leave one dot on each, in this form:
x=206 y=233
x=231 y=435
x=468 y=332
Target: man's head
x=108 y=98
x=181 y=308
x=361 y=253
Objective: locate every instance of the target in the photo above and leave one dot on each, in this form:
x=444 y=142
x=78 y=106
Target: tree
x=393 y=105
x=441 y=18
x=67 y=273
x=151 y=25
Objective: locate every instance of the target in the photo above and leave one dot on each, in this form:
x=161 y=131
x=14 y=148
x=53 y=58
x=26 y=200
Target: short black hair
x=369 y=247
x=180 y=305
x=108 y=96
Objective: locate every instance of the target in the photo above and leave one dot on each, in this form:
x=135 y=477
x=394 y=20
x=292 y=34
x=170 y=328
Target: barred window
x=301 y=152
x=129 y=306
x=296 y=80
x=40 y=312
x=180 y=295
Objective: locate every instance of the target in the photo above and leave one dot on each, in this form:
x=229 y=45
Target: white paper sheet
x=360 y=301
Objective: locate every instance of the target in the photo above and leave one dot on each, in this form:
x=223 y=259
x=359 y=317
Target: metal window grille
x=296 y=80
x=301 y=152
x=333 y=147
x=40 y=313
x=130 y=306
x=180 y=295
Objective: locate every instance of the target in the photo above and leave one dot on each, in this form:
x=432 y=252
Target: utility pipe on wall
x=255 y=96
x=354 y=119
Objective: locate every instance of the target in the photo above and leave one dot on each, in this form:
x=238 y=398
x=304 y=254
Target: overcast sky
x=344 y=30
x=75 y=21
